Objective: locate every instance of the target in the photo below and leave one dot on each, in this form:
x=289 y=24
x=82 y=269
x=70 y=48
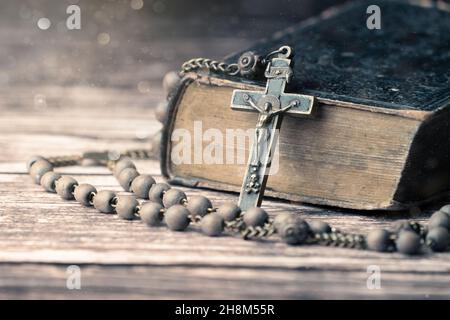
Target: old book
x=380 y=136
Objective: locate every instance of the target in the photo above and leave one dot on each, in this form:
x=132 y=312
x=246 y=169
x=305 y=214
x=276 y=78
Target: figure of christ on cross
x=266 y=113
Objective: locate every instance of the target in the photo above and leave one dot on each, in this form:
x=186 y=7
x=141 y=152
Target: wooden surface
x=41 y=234
x=44 y=111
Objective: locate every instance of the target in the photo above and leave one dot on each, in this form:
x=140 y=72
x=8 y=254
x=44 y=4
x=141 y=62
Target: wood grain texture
x=40 y=235
x=31 y=281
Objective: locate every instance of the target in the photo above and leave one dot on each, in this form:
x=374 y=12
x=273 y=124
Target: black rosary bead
x=254 y=217
x=157 y=191
x=39 y=168
x=177 y=217
x=151 y=213
x=103 y=201
x=292 y=229
x=317 y=226
x=126 y=207
x=126 y=177
x=173 y=197
x=379 y=240
x=123 y=164
x=229 y=211
x=199 y=206
x=48 y=181
x=65 y=187
x=439 y=219
x=408 y=242
x=213 y=224
x=141 y=185
x=83 y=194
x=438 y=239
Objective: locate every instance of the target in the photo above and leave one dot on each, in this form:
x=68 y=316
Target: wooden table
x=46 y=109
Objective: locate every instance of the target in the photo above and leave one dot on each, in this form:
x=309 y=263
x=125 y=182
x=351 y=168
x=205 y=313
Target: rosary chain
x=135 y=154
x=210 y=65
x=258 y=232
x=337 y=239
x=236 y=225
x=419 y=228
x=138 y=154
x=63 y=161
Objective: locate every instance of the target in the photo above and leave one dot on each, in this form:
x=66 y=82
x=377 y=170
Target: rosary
x=171 y=206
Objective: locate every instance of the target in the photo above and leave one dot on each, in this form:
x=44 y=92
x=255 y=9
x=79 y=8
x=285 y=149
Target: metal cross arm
x=271 y=105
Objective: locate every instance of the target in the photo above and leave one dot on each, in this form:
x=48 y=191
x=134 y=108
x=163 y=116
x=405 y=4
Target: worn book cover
x=379 y=137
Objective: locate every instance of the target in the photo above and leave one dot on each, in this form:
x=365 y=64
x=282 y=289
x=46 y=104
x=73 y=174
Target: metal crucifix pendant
x=271 y=105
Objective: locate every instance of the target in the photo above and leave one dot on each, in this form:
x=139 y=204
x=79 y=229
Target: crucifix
x=271 y=104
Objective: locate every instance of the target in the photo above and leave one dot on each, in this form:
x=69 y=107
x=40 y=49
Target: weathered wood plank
x=32 y=281
x=68 y=95
x=95 y=113
x=18 y=148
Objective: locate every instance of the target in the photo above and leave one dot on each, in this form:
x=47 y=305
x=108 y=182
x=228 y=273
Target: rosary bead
x=170 y=82
x=293 y=229
x=83 y=194
x=254 y=217
x=280 y=219
x=123 y=164
x=229 y=211
x=65 y=186
x=103 y=201
x=438 y=239
x=157 y=191
x=439 y=219
x=213 y=224
x=39 y=168
x=48 y=181
x=408 y=242
x=445 y=209
x=177 y=218
x=126 y=177
x=317 y=226
x=151 y=213
x=250 y=65
x=199 y=206
x=141 y=185
x=379 y=240
x=32 y=160
x=126 y=207
x=173 y=197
